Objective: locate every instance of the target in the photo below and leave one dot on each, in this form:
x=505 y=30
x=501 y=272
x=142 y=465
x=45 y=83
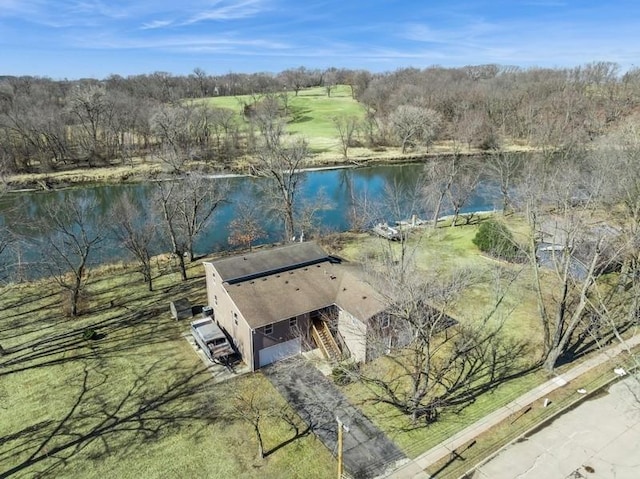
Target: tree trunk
x=454 y=219
x=561 y=338
x=183 y=268
x=256 y=428
x=77 y=288
x=149 y=281
x=288 y=222
x=436 y=212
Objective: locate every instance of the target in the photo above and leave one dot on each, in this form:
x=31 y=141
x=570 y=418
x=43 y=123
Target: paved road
x=600 y=439
x=367 y=451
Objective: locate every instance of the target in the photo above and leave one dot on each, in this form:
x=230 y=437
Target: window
x=385 y=322
x=293 y=322
x=235 y=318
x=215 y=300
x=268 y=329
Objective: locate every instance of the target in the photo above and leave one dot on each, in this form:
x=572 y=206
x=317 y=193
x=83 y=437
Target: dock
x=387 y=232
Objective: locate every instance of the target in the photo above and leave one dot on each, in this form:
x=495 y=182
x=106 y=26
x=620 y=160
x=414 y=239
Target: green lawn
x=446 y=249
x=136 y=403
x=310 y=114
x=416 y=440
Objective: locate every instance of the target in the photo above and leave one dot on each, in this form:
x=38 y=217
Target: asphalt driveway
x=368 y=452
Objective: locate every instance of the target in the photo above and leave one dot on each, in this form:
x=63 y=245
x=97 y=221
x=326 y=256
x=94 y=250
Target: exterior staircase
x=325 y=341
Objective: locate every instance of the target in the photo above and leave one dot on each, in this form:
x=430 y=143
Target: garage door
x=279 y=351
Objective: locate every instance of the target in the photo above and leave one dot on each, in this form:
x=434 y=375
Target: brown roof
x=279 y=296
x=269 y=261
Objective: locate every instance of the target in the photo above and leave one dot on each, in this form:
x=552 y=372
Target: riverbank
x=143 y=169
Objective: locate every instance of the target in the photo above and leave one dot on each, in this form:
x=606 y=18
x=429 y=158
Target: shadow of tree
x=298 y=434
x=71 y=346
x=139 y=414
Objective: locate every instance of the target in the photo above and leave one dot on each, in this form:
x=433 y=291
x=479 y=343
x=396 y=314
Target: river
x=339 y=187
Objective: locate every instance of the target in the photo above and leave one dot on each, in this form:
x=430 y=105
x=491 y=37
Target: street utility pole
x=341 y=428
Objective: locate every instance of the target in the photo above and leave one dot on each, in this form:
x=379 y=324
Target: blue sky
x=95 y=38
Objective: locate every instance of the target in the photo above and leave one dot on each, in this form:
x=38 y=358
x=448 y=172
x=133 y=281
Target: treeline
x=47 y=125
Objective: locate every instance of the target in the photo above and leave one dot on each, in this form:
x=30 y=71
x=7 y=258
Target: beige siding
x=354 y=333
x=227 y=314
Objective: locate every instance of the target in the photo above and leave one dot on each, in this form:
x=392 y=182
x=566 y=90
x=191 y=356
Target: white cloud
x=98 y=9
x=19 y=8
x=189 y=43
x=156 y=24
x=228 y=11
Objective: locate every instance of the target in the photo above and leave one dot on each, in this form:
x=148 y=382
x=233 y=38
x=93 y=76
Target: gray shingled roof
x=269 y=261
x=275 y=297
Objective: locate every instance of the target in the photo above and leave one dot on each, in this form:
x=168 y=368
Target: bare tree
x=462 y=187
x=296 y=79
x=432 y=363
x=135 y=228
x=177 y=128
x=439 y=176
x=250 y=405
x=307 y=214
x=558 y=200
x=283 y=164
x=186 y=207
x=413 y=125
x=615 y=159
x=504 y=167
x=330 y=80
x=346 y=128
x=245 y=228
x=91 y=107
x=73 y=235
x=269 y=120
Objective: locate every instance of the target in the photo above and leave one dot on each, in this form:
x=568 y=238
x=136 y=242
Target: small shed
x=181 y=309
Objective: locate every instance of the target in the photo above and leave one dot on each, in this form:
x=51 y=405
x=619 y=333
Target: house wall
x=384 y=334
x=354 y=334
x=282 y=331
x=227 y=314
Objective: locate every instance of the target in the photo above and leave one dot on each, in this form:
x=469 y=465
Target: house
x=278 y=302
x=563 y=243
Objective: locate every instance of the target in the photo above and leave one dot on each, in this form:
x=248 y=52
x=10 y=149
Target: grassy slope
x=310 y=114
x=137 y=403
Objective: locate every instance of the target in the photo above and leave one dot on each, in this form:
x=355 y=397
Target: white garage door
x=279 y=351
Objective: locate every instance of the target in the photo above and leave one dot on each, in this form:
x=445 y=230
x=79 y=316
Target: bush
x=494 y=238
x=345 y=373
x=89 y=334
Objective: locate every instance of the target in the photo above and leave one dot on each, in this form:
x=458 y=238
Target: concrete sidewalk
x=415 y=469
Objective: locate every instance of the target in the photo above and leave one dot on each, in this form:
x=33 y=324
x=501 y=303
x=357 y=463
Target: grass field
x=310 y=114
x=136 y=403
x=447 y=249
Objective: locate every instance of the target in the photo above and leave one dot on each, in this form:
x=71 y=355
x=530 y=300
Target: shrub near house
x=494 y=238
